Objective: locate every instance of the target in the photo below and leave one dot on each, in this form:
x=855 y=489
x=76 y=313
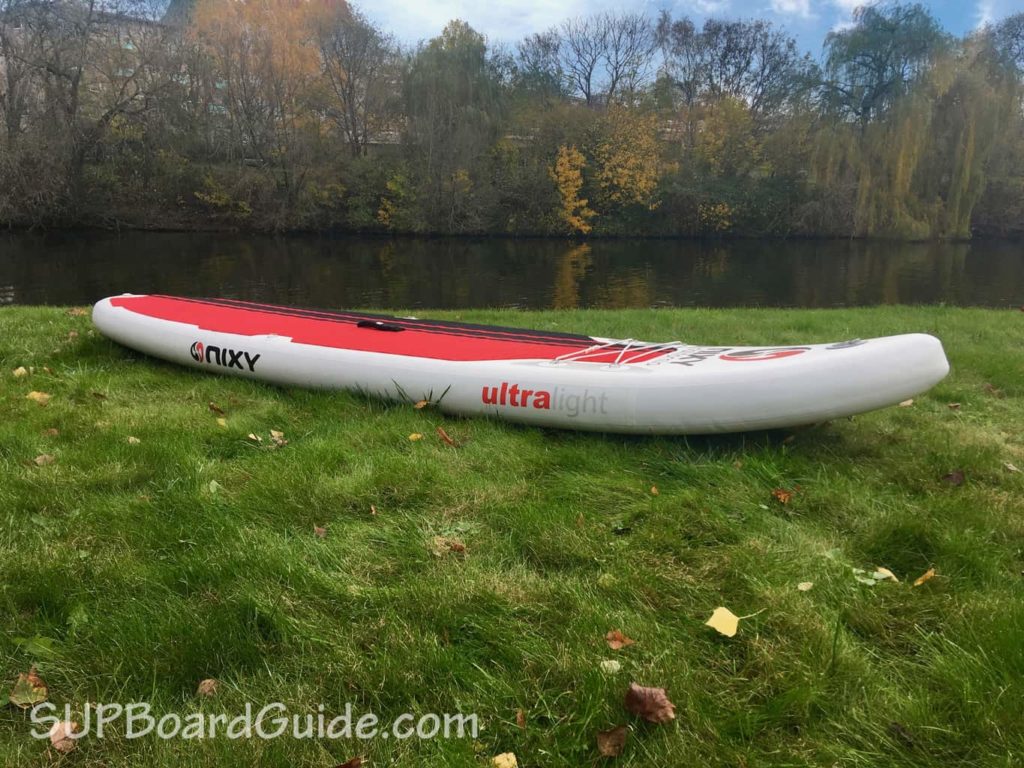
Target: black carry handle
x=379 y=325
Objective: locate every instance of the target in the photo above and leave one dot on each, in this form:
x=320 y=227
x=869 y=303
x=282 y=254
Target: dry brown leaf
x=38 y=397
x=216 y=409
x=724 y=621
x=132 y=440
x=617 y=641
x=51 y=432
x=446 y=438
x=355 y=762
x=255 y=438
x=415 y=437
x=610 y=743
x=207 y=688
x=44 y=460
x=62 y=736
x=652 y=704
x=320 y=532
x=954 y=478
x=421 y=405
x=373 y=509
x=654 y=490
x=580 y=520
x=924 y=577
x=521 y=719
x=953 y=406
x=77 y=312
x=277 y=438
x=907 y=403
x=72 y=335
x=98 y=395
x=442 y=545
x=20 y=372
x=29 y=690
x=782 y=496
x=993 y=390
x=805 y=586
x=1010 y=467
x=505 y=760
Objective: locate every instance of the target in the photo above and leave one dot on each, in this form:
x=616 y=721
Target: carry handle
x=379 y=325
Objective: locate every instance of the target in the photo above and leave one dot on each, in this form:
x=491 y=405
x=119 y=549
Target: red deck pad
x=445 y=341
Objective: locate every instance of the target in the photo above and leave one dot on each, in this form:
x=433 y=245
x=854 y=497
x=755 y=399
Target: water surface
x=79 y=268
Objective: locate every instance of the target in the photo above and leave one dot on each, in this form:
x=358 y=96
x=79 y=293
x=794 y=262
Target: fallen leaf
x=724 y=621
x=51 y=432
x=956 y=477
x=373 y=509
x=805 y=586
x=521 y=719
x=421 y=405
x=580 y=520
x=222 y=423
x=29 y=690
x=954 y=406
x=881 y=574
x=355 y=762
x=442 y=545
x=255 y=438
x=1010 y=467
x=617 y=641
x=782 y=496
x=216 y=409
x=77 y=312
x=505 y=760
x=926 y=576
x=277 y=438
x=907 y=403
x=737 y=464
x=72 y=335
x=415 y=436
x=38 y=397
x=446 y=438
x=611 y=667
x=654 y=490
x=207 y=688
x=20 y=372
x=652 y=704
x=44 y=460
x=63 y=737
x=98 y=395
x=611 y=742
x=133 y=440
x=993 y=390
x=214 y=486
x=320 y=532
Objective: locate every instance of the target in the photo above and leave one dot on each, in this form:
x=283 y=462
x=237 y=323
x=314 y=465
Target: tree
x=360 y=64
x=567 y=174
x=869 y=66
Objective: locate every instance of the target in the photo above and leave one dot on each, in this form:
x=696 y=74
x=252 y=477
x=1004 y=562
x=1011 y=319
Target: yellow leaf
x=421 y=405
x=415 y=436
x=926 y=576
x=654 y=490
x=20 y=372
x=505 y=760
x=907 y=403
x=724 y=621
x=881 y=574
x=222 y=422
x=38 y=397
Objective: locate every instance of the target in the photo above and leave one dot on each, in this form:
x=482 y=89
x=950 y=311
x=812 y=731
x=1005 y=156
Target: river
x=79 y=268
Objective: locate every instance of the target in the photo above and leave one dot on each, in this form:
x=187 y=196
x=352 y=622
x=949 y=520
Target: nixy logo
x=225 y=358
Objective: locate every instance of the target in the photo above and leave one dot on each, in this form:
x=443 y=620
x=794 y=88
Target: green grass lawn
x=132 y=569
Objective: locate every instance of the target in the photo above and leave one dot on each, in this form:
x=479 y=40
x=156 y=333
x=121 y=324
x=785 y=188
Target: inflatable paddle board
x=544 y=378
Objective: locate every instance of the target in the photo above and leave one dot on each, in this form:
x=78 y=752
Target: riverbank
x=150 y=544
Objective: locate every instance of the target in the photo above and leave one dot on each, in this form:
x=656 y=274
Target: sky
x=510 y=20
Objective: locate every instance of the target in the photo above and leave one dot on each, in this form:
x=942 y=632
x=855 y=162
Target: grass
x=126 y=576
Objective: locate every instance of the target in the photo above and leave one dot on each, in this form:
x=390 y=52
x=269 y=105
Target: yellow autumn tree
x=626 y=159
x=268 y=75
x=567 y=173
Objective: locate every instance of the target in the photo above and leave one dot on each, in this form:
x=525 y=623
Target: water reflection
x=371 y=272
